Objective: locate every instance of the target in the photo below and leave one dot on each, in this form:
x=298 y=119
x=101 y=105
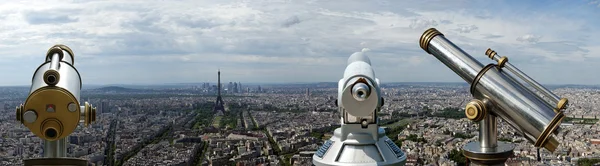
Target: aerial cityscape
x=293 y=83
x=282 y=124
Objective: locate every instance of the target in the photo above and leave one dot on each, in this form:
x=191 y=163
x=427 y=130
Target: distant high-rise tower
x=104 y=108
x=259 y=89
x=235 y=87
x=219 y=107
x=307 y=92
x=230 y=87
x=240 y=87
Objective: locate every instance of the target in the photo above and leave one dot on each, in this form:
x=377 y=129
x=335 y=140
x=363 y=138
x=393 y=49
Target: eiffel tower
x=219 y=109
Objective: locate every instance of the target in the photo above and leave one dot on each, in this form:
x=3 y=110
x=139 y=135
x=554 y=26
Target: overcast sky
x=154 y=42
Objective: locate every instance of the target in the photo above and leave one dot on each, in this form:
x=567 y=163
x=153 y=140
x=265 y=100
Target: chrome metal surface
x=82 y=114
x=455 y=58
x=29 y=116
x=50 y=149
x=69 y=79
x=55 y=62
x=62 y=147
x=514 y=103
x=546 y=95
x=361 y=91
x=488 y=133
x=359 y=150
x=54 y=149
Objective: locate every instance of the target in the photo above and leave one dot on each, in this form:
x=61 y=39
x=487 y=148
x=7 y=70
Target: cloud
x=445 y=21
x=491 y=36
x=291 y=21
x=286 y=40
x=422 y=23
x=467 y=29
x=48 y=17
x=529 y=38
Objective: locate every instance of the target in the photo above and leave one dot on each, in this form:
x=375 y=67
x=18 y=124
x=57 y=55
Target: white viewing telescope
x=359 y=141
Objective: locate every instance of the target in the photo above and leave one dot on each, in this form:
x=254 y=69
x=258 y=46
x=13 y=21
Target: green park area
x=580 y=120
x=402 y=122
x=217 y=121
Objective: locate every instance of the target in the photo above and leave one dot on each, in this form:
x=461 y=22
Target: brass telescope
x=53 y=110
x=497 y=93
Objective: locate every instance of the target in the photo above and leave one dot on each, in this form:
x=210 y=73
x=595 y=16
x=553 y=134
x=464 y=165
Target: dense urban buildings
x=282 y=125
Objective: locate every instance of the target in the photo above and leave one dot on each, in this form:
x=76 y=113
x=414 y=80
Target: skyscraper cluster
x=235 y=87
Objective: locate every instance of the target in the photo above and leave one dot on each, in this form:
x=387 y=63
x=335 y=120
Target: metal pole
x=55 y=149
x=488 y=133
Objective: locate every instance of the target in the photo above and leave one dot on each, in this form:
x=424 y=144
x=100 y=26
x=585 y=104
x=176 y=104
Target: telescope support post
x=488 y=133
x=488 y=150
x=55 y=149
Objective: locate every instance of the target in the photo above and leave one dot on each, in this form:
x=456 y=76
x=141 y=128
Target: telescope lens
x=50 y=133
x=360 y=91
x=51 y=78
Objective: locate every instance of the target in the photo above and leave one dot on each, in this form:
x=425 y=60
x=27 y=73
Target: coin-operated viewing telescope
x=52 y=110
x=359 y=140
x=498 y=93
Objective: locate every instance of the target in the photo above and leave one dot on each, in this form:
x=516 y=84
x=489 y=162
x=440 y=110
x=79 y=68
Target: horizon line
x=282 y=83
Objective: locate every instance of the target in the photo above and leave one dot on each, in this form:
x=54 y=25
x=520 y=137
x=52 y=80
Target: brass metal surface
x=58 y=49
x=475 y=110
x=20 y=113
x=427 y=36
x=490 y=53
x=478 y=77
x=502 y=61
x=90 y=114
x=562 y=103
x=60 y=98
x=51 y=124
x=547 y=133
x=54 y=50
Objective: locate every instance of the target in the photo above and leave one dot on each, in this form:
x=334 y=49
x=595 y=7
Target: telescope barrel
x=455 y=58
x=546 y=94
x=512 y=102
x=54 y=64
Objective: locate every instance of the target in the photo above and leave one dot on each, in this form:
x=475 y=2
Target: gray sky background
x=154 y=42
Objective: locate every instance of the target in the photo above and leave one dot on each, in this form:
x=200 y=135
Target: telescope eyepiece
x=361 y=91
x=50 y=133
x=51 y=77
x=52 y=129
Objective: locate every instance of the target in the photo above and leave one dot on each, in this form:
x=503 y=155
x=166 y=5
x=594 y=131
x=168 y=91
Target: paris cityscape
x=255 y=82
x=283 y=124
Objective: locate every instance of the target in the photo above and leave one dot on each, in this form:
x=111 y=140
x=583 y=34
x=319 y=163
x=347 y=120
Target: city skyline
x=295 y=41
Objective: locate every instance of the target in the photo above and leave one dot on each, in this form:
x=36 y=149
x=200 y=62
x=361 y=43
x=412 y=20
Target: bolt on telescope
x=52 y=110
x=498 y=93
